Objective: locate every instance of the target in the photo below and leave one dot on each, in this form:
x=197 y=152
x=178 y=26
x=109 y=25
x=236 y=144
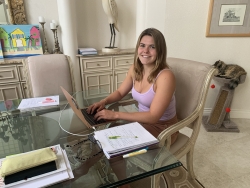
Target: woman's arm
x=164 y=90
x=117 y=95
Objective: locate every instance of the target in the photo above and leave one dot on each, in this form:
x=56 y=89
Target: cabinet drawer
x=8 y=74
x=123 y=61
x=95 y=64
x=21 y=73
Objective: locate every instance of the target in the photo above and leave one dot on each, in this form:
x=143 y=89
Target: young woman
x=153 y=86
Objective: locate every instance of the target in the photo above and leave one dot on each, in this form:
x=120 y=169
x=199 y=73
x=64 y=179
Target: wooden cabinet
x=12 y=80
x=103 y=73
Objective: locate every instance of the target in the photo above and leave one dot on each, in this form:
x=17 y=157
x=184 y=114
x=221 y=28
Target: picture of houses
x=20 y=40
x=1 y=52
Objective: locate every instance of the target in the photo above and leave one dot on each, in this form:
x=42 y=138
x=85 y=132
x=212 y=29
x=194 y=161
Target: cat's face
x=220 y=65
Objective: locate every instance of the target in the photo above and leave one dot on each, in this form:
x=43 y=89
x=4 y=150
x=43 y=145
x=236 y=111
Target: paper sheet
x=123 y=137
x=38 y=102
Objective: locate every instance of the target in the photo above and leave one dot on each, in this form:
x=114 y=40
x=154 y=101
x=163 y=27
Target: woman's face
x=146 y=50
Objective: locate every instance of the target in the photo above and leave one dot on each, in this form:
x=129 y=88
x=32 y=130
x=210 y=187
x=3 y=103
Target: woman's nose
x=146 y=49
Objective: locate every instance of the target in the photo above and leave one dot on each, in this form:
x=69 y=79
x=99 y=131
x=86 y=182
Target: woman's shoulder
x=165 y=73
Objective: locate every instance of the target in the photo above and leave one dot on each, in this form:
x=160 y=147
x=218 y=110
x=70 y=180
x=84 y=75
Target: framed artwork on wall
x=1 y=51
x=20 y=40
x=228 y=18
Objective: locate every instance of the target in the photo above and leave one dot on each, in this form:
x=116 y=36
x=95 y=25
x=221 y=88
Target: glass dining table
x=23 y=131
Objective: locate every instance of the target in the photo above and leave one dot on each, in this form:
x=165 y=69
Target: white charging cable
x=59 y=120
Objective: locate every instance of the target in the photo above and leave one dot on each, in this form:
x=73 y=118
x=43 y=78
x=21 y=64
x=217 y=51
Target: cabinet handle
x=24 y=87
x=98 y=64
x=127 y=62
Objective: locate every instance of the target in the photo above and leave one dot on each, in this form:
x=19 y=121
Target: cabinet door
x=21 y=73
x=119 y=76
x=8 y=74
x=97 y=84
x=10 y=91
x=24 y=90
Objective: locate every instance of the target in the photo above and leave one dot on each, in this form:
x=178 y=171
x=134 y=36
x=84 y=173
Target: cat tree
x=219 y=119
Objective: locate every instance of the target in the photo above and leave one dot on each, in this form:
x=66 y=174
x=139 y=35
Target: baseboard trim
x=235 y=113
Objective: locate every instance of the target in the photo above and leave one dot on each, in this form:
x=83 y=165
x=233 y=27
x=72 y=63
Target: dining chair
x=46 y=73
x=192 y=84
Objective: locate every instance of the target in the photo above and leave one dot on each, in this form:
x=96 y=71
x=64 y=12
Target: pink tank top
x=145 y=99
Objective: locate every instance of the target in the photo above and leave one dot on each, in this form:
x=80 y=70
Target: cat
x=230 y=71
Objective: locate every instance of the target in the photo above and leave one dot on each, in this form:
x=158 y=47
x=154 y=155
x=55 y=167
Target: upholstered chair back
x=46 y=73
x=190 y=76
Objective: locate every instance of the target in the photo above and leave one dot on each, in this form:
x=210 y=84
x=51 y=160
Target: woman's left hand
x=106 y=114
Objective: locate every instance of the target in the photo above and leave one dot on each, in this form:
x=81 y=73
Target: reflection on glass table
x=22 y=132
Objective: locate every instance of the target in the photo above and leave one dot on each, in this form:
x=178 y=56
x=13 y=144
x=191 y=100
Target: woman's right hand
x=98 y=106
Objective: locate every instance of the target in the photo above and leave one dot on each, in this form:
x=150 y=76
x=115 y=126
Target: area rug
x=175 y=178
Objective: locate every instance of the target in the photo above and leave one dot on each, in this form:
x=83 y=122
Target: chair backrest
x=190 y=81
x=46 y=73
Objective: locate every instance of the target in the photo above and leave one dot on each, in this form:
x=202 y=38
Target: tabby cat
x=230 y=71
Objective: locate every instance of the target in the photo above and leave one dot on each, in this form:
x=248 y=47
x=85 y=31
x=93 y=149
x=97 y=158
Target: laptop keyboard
x=90 y=118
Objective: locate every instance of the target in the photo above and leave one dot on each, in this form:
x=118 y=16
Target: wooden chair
x=192 y=84
x=46 y=73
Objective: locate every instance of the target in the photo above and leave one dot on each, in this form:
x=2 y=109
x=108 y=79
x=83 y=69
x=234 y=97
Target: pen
x=135 y=153
x=115 y=137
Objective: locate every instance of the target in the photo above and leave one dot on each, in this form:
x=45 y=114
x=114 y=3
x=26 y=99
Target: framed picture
x=20 y=40
x=228 y=18
x=1 y=52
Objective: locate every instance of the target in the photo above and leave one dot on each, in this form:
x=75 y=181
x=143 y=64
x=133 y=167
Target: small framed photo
x=228 y=18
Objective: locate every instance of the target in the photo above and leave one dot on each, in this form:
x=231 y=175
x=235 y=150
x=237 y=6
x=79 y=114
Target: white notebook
x=124 y=139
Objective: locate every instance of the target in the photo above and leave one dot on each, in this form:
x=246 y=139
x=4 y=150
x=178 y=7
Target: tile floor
x=222 y=159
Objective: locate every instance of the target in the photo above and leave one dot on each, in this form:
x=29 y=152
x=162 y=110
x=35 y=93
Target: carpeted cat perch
x=219 y=119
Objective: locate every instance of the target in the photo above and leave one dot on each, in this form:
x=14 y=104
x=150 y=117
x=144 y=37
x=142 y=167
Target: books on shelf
x=39 y=103
x=62 y=173
x=87 y=51
x=124 y=139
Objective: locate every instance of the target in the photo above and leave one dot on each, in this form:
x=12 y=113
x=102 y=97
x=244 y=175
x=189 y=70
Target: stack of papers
x=124 y=139
x=87 y=51
x=63 y=172
x=38 y=103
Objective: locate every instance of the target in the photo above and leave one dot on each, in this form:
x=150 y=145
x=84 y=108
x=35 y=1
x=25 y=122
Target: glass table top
x=22 y=132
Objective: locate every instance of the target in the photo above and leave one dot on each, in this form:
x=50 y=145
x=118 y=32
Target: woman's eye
x=153 y=47
x=141 y=45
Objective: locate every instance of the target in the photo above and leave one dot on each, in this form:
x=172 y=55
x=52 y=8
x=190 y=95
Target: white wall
x=182 y=22
x=93 y=26
x=185 y=29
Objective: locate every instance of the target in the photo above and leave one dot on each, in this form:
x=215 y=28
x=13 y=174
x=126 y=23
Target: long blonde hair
x=161 y=59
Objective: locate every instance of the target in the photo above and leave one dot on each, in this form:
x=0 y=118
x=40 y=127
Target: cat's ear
x=216 y=63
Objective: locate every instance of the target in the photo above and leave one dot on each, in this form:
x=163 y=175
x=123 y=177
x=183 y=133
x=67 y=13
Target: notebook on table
x=87 y=119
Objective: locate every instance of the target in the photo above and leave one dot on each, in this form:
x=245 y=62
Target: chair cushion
x=189 y=75
x=48 y=73
x=179 y=143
